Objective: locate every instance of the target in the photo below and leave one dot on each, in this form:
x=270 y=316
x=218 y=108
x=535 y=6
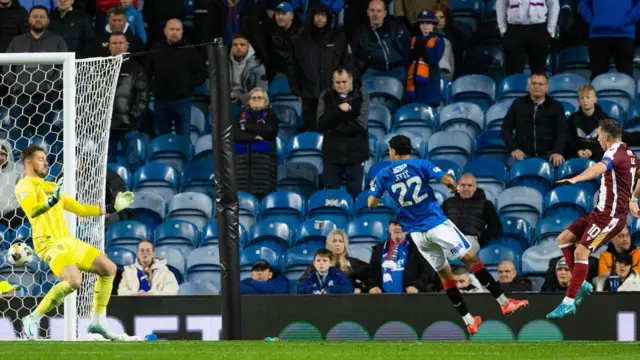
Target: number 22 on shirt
x=405 y=186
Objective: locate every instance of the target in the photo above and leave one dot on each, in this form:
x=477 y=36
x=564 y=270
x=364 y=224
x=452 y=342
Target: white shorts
x=442 y=242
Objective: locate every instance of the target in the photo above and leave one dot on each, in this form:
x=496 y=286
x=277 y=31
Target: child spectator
x=325 y=279
x=134 y=18
x=583 y=126
x=263 y=281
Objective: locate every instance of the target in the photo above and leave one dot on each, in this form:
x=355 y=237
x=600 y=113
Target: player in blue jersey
x=407 y=181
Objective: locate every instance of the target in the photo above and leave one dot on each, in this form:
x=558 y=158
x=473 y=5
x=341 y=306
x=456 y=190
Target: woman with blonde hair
x=356 y=270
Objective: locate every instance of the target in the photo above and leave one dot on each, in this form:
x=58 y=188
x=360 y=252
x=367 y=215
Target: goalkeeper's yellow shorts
x=69 y=251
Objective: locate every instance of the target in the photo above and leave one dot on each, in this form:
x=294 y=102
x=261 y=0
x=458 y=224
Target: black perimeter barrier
x=225 y=186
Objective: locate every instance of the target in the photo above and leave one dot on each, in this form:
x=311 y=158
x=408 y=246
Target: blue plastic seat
x=248 y=209
x=633 y=118
x=534 y=173
x=549 y=228
x=361 y=251
x=209 y=235
x=193 y=207
x=298 y=177
x=448 y=167
x=415 y=118
x=283 y=206
x=173 y=150
x=617 y=87
x=198 y=288
x=488 y=59
x=387 y=207
x=516 y=233
x=180 y=235
x=366 y=232
x=451 y=145
x=279 y=87
x=197 y=125
x=307 y=148
x=634 y=230
x=23 y=234
x=157 y=178
x=122 y=171
x=176 y=261
x=521 y=202
x=272 y=234
x=613 y=109
x=495 y=115
x=287 y=121
x=254 y=253
x=288 y=101
x=121 y=256
x=332 y=204
x=465 y=117
x=149 y=209
x=467 y=15
x=574 y=59
x=564 y=87
x=535 y=260
x=203 y=264
x=6 y=237
x=379 y=120
x=513 y=86
x=313 y=231
x=491 y=174
x=575 y=167
x=493 y=254
x=490 y=144
x=569 y=108
x=384 y=90
x=127 y=234
x=476 y=89
x=199 y=177
x=567 y=200
x=202 y=149
x=417 y=146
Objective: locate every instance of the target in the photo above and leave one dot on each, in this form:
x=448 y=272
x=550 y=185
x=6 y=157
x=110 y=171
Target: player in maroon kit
x=590 y=232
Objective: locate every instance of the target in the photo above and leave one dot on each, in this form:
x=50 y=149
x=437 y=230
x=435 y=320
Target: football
x=20 y=254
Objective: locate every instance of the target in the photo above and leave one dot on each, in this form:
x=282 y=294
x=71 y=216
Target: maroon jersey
x=617 y=182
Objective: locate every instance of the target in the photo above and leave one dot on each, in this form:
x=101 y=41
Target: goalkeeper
x=44 y=204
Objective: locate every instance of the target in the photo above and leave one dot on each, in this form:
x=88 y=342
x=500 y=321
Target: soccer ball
x=20 y=254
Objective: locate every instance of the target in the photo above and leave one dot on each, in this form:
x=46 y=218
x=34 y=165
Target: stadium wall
x=384 y=317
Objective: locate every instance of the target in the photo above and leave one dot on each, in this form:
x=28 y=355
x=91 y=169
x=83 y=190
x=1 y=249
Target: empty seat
x=198 y=288
x=203 y=264
x=23 y=234
x=569 y=108
x=193 y=207
x=127 y=234
x=173 y=150
x=495 y=115
x=272 y=234
x=467 y=15
x=515 y=232
x=180 y=235
x=417 y=146
x=333 y=205
x=521 y=202
x=203 y=149
x=248 y=209
x=209 y=235
x=493 y=254
x=361 y=251
x=534 y=173
x=613 y=109
x=283 y=206
x=450 y=145
x=574 y=167
x=549 y=228
x=415 y=118
x=513 y=86
x=384 y=90
x=564 y=87
x=295 y=262
x=491 y=174
x=633 y=118
x=122 y=171
x=574 y=59
x=175 y=259
x=298 y=177
x=199 y=177
x=157 y=178
x=567 y=201
x=197 y=124
x=387 y=207
x=254 y=253
x=148 y=208
x=121 y=256
x=535 y=260
x=279 y=87
x=490 y=144
x=477 y=89
x=366 y=232
x=379 y=120
x=617 y=87
x=287 y=121
x=465 y=117
x=6 y=237
x=313 y=231
x=306 y=148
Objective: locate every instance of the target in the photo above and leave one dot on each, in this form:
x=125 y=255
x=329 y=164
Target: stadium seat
x=476 y=89
x=202 y=149
x=248 y=209
x=284 y=206
x=384 y=90
x=175 y=260
x=417 y=146
x=633 y=118
x=451 y=145
x=198 y=288
x=6 y=237
x=203 y=264
x=449 y=168
x=567 y=201
x=373 y=151
x=569 y=108
x=28 y=277
x=549 y=228
x=634 y=230
x=157 y=178
x=490 y=144
x=272 y=234
x=513 y=86
x=535 y=173
x=193 y=207
x=56 y=169
x=173 y=150
x=488 y=59
x=199 y=177
x=495 y=115
x=23 y=234
x=306 y=148
x=367 y=232
x=379 y=120
x=121 y=256
x=535 y=260
x=298 y=177
x=516 y=233
x=287 y=121
x=445 y=89
x=209 y=235
x=197 y=125
x=333 y=205
x=564 y=87
x=521 y=202
x=127 y=234
x=465 y=117
x=149 y=209
x=295 y=262
x=617 y=87
x=180 y=235
x=254 y=253
x=313 y=231
x=493 y=254
x=279 y=87
x=415 y=118
x=122 y=171
x=385 y=210
x=361 y=251
x=291 y=102
x=467 y=15
x=614 y=110
x=575 y=60
x=491 y=174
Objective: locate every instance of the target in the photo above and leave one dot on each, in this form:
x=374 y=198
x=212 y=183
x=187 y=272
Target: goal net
x=65 y=106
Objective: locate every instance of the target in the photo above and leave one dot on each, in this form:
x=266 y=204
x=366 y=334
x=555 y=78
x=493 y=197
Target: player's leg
x=567 y=239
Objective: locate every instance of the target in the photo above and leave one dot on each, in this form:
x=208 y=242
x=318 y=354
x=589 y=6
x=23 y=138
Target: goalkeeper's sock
x=102 y=294
x=488 y=282
x=54 y=297
x=456 y=299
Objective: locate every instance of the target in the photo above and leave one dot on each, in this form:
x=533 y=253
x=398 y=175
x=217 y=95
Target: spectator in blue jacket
x=263 y=281
x=611 y=33
x=325 y=279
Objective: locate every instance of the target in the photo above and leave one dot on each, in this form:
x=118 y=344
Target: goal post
x=72 y=98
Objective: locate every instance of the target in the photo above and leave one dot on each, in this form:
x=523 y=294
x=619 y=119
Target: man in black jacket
x=509 y=279
x=399 y=258
x=284 y=28
x=539 y=124
x=343 y=113
x=317 y=51
x=73 y=25
x=117 y=23
x=129 y=104
x=14 y=21
x=473 y=214
x=175 y=73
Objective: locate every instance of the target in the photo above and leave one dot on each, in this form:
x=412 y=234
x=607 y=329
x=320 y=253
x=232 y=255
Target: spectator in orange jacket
x=620 y=243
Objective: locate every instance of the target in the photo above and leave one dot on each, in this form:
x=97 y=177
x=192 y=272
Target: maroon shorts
x=596 y=229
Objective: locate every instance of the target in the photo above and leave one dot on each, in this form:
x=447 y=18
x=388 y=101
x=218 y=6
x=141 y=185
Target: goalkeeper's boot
x=585 y=290
x=30 y=327
x=561 y=311
x=513 y=306
x=101 y=329
x=473 y=327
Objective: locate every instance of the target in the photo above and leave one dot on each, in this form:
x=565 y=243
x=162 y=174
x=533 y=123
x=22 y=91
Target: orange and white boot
x=513 y=306
x=473 y=327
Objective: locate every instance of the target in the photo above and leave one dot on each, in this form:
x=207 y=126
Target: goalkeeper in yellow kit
x=44 y=204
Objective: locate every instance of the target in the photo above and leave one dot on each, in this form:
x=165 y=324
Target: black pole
x=226 y=193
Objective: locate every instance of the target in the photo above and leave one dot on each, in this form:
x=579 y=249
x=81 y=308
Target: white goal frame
x=68 y=62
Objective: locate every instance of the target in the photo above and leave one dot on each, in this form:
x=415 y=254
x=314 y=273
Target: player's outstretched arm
x=590 y=173
x=449 y=182
x=123 y=200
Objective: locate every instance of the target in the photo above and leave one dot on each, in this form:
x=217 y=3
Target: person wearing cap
x=148 y=275
x=561 y=280
x=264 y=281
x=551 y=276
x=627 y=278
x=427 y=49
x=396 y=266
x=285 y=26
x=619 y=244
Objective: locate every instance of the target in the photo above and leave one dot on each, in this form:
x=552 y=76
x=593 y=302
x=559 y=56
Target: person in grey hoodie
x=10 y=173
x=246 y=70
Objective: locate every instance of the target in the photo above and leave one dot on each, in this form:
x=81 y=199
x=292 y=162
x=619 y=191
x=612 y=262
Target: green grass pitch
x=371 y=350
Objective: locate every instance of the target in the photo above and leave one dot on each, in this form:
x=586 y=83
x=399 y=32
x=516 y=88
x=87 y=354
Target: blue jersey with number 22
x=407 y=181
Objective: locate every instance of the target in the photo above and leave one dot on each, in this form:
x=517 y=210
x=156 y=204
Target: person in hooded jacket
x=10 y=173
x=582 y=127
x=317 y=52
x=245 y=70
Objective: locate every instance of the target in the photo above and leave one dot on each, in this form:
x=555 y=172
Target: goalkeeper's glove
x=57 y=194
x=123 y=201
